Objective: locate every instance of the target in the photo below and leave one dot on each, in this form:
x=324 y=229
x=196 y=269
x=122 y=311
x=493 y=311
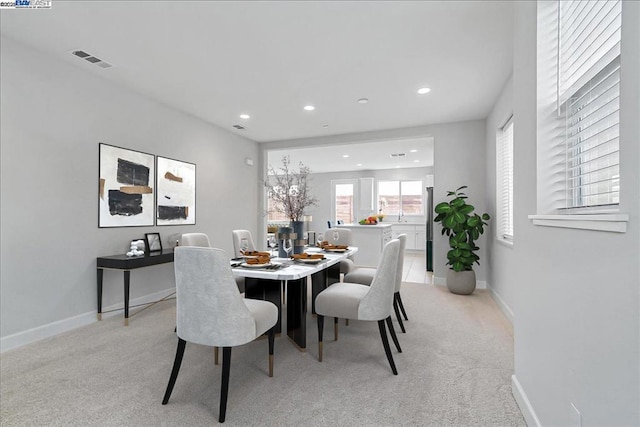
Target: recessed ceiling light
x=413 y=151
x=424 y=90
x=359 y=164
x=416 y=161
x=245 y=116
x=345 y=155
x=363 y=100
x=309 y=107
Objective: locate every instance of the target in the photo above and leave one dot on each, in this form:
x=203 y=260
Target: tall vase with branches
x=290 y=193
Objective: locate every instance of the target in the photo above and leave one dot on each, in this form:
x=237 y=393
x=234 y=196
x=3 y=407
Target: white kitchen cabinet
x=370 y=240
x=416 y=235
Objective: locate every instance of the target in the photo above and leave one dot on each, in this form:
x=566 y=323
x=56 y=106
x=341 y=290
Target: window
x=578 y=112
x=581 y=129
x=343 y=203
x=273 y=213
x=504 y=181
x=400 y=197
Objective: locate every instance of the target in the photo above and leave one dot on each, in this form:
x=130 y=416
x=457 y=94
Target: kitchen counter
x=370 y=240
x=378 y=225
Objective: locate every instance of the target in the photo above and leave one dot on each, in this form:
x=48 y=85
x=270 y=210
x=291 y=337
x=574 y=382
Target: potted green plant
x=463 y=227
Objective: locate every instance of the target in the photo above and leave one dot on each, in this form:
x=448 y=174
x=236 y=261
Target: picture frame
x=176 y=192
x=153 y=242
x=126 y=185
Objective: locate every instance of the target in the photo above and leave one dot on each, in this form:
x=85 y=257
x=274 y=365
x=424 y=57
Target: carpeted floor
x=454 y=370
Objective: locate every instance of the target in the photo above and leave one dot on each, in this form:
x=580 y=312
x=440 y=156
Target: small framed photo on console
x=153 y=242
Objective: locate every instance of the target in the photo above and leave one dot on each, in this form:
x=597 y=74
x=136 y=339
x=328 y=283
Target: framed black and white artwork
x=126 y=187
x=176 y=198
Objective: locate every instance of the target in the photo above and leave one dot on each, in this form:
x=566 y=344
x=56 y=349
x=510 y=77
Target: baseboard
x=522 y=400
x=442 y=281
x=29 y=336
x=504 y=308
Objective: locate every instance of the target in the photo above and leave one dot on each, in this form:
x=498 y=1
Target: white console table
x=370 y=240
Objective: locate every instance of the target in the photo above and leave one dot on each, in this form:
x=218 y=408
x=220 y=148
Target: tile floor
x=415 y=268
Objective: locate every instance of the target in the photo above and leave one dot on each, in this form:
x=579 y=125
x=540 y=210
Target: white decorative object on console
x=137 y=248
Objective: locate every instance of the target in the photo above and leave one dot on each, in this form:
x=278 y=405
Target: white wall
x=500 y=256
x=53 y=117
x=460 y=143
x=577 y=292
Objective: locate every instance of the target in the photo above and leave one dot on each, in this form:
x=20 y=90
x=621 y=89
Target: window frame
x=354 y=183
x=550 y=125
x=400 y=181
x=502 y=138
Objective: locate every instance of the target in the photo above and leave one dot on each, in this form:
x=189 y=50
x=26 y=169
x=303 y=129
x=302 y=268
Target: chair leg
x=215 y=355
x=176 y=368
x=224 y=390
x=392 y=331
x=335 y=329
x=272 y=338
x=401 y=305
x=320 y=320
x=385 y=343
x=395 y=308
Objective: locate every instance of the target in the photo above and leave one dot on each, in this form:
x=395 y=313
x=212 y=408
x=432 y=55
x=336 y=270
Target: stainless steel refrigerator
x=429 y=251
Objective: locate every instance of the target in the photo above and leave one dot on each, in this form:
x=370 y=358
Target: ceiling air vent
x=90 y=58
x=398 y=154
x=238 y=127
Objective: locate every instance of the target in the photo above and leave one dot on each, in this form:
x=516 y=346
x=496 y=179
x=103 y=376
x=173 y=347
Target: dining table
x=265 y=282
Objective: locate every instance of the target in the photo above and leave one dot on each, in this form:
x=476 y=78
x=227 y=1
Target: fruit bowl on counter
x=371 y=220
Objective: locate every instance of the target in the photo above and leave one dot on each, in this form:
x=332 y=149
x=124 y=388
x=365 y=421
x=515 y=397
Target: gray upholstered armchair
x=362 y=302
x=211 y=312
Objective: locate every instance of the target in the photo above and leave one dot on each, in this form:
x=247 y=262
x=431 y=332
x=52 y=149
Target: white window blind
x=593 y=158
x=589 y=40
x=504 y=181
x=588 y=98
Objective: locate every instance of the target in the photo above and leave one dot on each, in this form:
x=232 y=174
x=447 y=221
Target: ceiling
x=388 y=154
x=216 y=60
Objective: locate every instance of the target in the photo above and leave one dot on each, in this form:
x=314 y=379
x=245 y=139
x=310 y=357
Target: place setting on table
x=266 y=260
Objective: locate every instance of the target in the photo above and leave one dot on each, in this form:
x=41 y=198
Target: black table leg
x=127 y=278
x=318 y=284
x=297 y=312
x=100 y=272
x=266 y=290
x=333 y=274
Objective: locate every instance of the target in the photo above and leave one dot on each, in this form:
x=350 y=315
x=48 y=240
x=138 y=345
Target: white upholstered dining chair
x=341 y=236
x=364 y=276
x=211 y=312
x=362 y=302
x=238 y=235
x=195 y=239
x=202 y=240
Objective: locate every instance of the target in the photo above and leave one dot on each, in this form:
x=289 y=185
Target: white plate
x=310 y=260
x=312 y=249
x=245 y=265
x=336 y=250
